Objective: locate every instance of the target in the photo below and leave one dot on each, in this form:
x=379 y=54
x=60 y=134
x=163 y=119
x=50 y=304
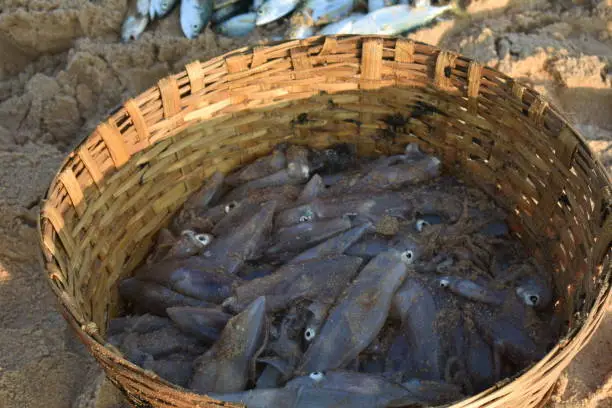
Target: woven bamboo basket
x=128 y=178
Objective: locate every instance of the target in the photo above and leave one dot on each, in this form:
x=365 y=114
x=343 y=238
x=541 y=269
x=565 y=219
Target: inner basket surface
x=125 y=181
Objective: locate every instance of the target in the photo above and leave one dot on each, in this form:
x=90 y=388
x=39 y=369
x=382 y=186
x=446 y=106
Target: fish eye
x=534 y=299
x=260 y=11
x=444 y=283
x=317 y=376
x=229 y=207
x=164 y=4
x=408 y=256
x=420 y=224
x=305 y=218
x=204 y=239
x=195 y=26
x=309 y=334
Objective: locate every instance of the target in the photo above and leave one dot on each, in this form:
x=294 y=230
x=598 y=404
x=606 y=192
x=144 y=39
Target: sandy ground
x=62 y=69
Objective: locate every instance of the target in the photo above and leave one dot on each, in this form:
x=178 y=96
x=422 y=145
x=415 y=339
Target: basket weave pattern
x=126 y=180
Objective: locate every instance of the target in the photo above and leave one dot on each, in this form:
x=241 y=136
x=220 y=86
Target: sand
x=62 y=69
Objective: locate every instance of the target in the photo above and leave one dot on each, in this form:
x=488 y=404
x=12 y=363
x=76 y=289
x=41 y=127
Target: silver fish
x=318 y=279
x=155 y=298
x=299 y=32
x=374 y=5
x=362 y=312
x=262 y=167
x=224 y=368
x=225 y=10
x=272 y=10
x=344 y=26
x=319 y=12
x=397 y=19
x=205 y=324
x=195 y=15
x=335 y=245
x=238 y=26
x=159 y=8
x=136 y=20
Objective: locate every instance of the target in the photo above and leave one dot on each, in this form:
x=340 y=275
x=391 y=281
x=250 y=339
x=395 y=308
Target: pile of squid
x=317 y=278
x=238 y=18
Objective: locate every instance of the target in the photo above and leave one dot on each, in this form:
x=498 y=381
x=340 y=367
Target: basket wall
x=125 y=181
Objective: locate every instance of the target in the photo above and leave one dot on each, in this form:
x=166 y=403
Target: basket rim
x=93 y=340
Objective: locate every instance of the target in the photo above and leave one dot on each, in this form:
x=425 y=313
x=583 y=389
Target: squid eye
x=420 y=224
x=310 y=334
x=317 y=376
x=229 y=207
x=204 y=239
x=408 y=257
